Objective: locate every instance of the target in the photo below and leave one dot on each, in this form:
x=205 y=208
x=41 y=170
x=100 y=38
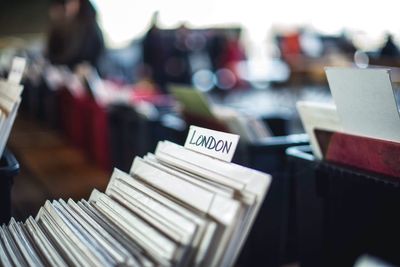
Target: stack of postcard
x=10 y=98
x=176 y=207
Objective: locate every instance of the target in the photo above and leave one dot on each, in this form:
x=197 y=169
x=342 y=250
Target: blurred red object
x=365 y=153
x=85 y=124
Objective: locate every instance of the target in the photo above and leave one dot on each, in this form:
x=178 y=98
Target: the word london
x=213 y=143
x=210 y=143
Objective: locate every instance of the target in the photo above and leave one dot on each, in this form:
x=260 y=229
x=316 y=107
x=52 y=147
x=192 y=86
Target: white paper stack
x=315 y=115
x=364 y=105
x=10 y=98
x=177 y=207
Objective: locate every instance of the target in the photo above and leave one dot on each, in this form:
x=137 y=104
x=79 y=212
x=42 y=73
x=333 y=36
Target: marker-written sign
x=216 y=144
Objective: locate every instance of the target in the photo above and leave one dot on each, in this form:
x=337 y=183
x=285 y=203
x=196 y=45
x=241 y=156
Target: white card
x=17 y=70
x=43 y=243
x=365 y=102
x=212 y=143
x=316 y=115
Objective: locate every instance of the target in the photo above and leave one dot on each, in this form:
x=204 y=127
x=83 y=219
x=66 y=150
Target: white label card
x=17 y=70
x=365 y=102
x=212 y=143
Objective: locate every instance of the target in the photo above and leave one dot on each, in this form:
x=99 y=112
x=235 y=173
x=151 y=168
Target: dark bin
x=360 y=215
x=343 y=213
x=132 y=134
x=9 y=168
x=129 y=135
x=169 y=127
x=278 y=124
x=306 y=223
x=270 y=241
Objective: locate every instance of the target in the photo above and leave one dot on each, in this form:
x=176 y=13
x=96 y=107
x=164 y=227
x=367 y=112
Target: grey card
x=365 y=102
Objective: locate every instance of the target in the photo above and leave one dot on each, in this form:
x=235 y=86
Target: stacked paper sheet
x=177 y=207
x=10 y=98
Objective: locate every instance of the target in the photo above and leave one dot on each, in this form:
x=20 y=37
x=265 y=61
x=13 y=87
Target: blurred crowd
x=74 y=36
x=208 y=58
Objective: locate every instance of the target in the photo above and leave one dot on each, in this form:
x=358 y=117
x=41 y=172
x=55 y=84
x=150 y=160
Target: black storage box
x=343 y=213
x=270 y=242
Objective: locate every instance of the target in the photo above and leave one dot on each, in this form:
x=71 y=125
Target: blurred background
x=104 y=84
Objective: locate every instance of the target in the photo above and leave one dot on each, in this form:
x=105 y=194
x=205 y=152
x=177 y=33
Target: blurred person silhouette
x=74 y=35
x=217 y=45
x=178 y=64
x=389 y=49
x=345 y=43
x=154 y=53
x=226 y=51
